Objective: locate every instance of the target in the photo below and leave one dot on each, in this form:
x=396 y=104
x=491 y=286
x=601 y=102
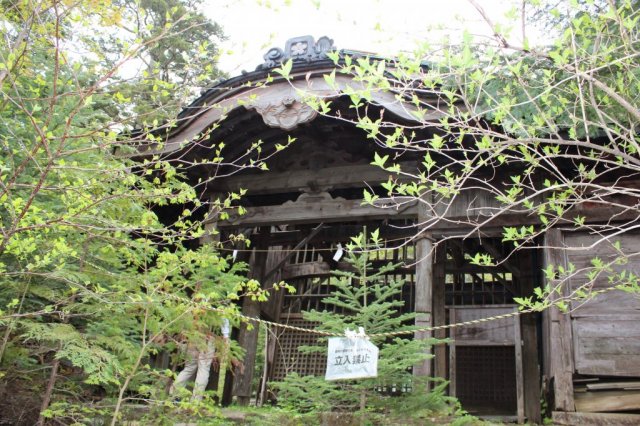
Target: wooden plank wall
x=606 y=335
x=603 y=334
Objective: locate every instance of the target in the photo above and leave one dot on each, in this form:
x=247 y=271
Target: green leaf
x=285 y=69
x=378 y=160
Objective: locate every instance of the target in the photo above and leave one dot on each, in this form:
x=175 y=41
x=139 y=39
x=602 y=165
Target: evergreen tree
x=362 y=297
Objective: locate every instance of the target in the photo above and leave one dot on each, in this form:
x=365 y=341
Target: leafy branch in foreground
x=91 y=242
x=545 y=133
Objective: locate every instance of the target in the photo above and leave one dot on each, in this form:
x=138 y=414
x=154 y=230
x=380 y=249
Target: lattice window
x=394 y=254
x=310 y=292
x=479 y=288
x=391 y=253
x=309 y=253
x=289 y=359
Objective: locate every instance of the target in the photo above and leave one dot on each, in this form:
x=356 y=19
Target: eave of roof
x=303 y=66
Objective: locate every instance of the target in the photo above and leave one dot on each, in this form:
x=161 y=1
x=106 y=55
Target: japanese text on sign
x=351 y=358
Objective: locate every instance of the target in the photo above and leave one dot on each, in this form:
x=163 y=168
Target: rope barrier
x=391 y=240
x=387 y=334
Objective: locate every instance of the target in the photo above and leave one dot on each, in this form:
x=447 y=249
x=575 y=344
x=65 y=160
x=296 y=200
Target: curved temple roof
x=281 y=102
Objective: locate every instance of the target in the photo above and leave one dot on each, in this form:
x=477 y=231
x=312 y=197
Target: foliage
x=547 y=133
x=100 y=266
x=362 y=297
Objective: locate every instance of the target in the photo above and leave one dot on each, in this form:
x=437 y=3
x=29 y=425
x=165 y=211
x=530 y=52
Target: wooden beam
x=351 y=176
x=529 y=330
x=483 y=342
x=519 y=370
x=453 y=224
x=595 y=419
x=316 y=209
x=336 y=210
x=604 y=401
x=452 y=353
x=439 y=310
x=340 y=233
x=424 y=297
x=634 y=385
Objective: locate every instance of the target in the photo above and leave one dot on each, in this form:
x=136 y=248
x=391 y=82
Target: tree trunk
x=46 y=399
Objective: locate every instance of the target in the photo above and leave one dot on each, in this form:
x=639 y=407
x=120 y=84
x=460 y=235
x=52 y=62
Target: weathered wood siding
x=606 y=335
x=496 y=332
x=556 y=331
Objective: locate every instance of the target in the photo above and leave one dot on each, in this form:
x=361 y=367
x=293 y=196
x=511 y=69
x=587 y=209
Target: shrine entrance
x=485 y=362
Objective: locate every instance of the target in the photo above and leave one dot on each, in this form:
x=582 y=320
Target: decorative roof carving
x=286 y=114
x=298 y=49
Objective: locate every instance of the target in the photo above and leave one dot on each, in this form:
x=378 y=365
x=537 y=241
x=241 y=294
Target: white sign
x=351 y=358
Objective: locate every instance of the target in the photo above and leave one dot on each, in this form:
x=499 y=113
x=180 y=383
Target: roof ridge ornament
x=298 y=49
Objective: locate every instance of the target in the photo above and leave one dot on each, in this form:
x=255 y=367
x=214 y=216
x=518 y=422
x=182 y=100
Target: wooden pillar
x=211 y=236
x=439 y=313
x=530 y=363
x=423 y=297
x=559 y=343
x=248 y=338
x=452 y=354
x=424 y=285
x=517 y=344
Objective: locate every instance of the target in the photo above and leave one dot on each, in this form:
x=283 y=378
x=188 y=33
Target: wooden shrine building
x=308 y=199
